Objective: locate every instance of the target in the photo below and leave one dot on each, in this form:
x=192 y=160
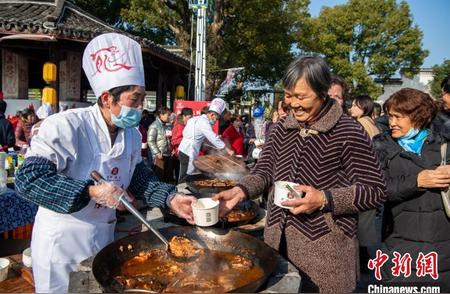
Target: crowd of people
x=16 y=131
x=373 y=177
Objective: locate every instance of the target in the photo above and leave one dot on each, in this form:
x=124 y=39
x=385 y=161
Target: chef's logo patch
x=115 y=171
x=109 y=60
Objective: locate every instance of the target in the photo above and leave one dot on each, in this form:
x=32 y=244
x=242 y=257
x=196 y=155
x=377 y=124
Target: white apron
x=61 y=241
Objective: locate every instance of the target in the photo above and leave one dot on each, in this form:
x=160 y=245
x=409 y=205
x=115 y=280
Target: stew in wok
x=228 y=261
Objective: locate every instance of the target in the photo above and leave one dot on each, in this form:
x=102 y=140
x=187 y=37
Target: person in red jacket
x=177 y=136
x=234 y=135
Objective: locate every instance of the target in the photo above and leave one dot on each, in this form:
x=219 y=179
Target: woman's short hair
x=24 y=114
x=365 y=103
x=314 y=70
x=337 y=80
x=235 y=118
x=377 y=109
x=184 y=112
x=417 y=105
x=163 y=110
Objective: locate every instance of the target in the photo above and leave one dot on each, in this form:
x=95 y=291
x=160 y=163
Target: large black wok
x=107 y=262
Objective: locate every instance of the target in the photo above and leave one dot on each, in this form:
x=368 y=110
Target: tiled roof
x=64 y=20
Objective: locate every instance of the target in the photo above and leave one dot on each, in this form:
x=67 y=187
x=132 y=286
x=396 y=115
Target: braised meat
x=215 y=183
x=241 y=263
x=237 y=215
x=213 y=271
x=183 y=247
x=144 y=282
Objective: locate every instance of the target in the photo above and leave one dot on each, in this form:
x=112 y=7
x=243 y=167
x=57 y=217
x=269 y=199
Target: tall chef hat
x=113 y=60
x=217 y=105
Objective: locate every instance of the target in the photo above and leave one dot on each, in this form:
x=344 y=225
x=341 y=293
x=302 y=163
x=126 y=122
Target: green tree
x=106 y=10
x=365 y=39
x=439 y=73
x=255 y=34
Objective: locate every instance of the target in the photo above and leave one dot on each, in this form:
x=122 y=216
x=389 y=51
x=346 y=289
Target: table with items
x=15 y=211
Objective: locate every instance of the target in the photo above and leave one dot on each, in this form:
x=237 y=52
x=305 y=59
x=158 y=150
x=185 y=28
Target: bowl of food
x=285 y=191
x=206 y=212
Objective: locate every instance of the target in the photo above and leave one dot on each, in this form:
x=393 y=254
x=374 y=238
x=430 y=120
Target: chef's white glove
x=106 y=194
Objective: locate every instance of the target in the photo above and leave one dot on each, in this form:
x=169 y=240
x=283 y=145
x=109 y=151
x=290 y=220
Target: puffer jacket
x=414 y=220
x=156 y=138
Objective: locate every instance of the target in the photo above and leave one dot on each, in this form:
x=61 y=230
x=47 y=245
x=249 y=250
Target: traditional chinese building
x=35 y=32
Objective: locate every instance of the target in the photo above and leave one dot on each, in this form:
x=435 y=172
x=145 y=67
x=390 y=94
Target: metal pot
x=107 y=262
x=223 y=223
x=206 y=191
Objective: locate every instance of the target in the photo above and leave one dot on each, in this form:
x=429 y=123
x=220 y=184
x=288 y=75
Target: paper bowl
x=4 y=266
x=206 y=212
x=26 y=257
x=282 y=193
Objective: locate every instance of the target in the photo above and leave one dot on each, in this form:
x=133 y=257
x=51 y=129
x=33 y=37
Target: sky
x=432 y=17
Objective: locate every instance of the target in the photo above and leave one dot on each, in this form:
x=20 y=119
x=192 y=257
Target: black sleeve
x=11 y=138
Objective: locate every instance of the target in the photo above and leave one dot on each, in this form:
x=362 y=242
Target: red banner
x=196 y=107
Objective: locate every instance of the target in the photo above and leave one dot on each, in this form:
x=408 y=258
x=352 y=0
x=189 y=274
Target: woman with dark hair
x=369 y=229
x=415 y=221
x=27 y=119
x=445 y=86
x=159 y=144
x=362 y=108
x=332 y=161
x=442 y=120
x=177 y=136
x=338 y=90
x=234 y=135
x=281 y=111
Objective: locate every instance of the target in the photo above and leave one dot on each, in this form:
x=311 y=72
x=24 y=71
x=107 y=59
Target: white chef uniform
x=78 y=142
x=196 y=131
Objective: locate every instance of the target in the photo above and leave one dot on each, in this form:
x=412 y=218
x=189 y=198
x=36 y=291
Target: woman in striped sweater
x=332 y=160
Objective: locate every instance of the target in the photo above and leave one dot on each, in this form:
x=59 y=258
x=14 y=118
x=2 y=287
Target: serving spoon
x=124 y=199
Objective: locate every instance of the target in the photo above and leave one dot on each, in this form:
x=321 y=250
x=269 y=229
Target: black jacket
x=414 y=219
x=7 y=137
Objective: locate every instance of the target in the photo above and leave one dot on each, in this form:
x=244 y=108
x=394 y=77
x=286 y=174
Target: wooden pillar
x=54 y=58
x=161 y=92
x=15 y=75
x=70 y=77
x=172 y=93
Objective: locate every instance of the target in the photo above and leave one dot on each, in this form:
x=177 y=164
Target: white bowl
x=206 y=212
x=26 y=257
x=282 y=193
x=4 y=266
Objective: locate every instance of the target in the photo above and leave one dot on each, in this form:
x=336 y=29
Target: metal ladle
x=124 y=200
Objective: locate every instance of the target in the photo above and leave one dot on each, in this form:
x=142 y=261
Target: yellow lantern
x=49 y=72
x=49 y=96
x=179 y=92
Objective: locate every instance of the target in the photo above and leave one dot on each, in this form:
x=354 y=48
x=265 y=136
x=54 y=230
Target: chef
x=196 y=131
x=76 y=218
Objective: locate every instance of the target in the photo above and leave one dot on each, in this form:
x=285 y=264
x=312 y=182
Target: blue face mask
x=410 y=134
x=129 y=117
x=212 y=121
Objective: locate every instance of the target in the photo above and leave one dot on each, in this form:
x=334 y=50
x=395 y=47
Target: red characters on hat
x=107 y=59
